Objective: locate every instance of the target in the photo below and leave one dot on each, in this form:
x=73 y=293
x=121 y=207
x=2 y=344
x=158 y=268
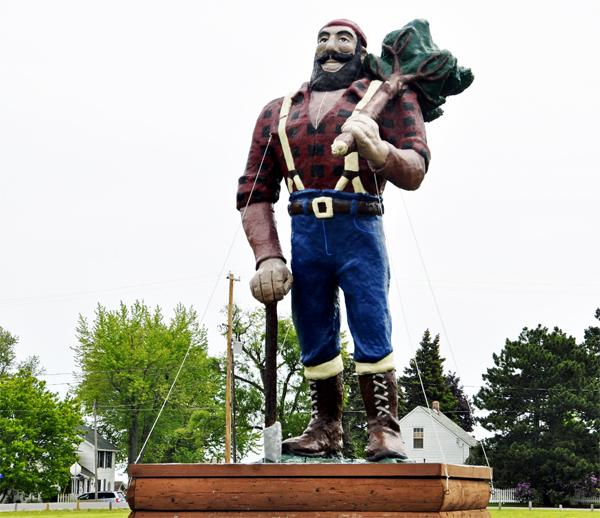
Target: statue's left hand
x=368 y=140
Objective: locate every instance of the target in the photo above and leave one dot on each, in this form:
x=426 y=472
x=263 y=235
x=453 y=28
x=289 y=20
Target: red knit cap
x=348 y=23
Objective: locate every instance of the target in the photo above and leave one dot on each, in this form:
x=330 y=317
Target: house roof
x=446 y=422
x=103 y=444
x=86 y=472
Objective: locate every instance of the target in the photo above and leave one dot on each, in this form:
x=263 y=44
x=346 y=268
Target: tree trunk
x=132 y=440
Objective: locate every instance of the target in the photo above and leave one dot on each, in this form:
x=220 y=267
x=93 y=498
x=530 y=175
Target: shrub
x=525 y=493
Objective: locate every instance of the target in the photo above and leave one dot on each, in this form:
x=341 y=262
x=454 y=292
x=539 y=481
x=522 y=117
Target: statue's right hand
x=272 y=281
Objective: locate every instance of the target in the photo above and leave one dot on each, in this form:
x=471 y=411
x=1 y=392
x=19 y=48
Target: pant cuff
x=385 y=365
x=325 y=370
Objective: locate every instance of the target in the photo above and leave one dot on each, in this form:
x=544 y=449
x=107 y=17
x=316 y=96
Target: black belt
x=326 y=207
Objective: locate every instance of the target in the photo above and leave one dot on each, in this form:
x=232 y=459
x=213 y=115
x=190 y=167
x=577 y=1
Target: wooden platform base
x=336 y=490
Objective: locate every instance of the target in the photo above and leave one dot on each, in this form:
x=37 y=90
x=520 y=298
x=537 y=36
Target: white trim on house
x=106 y=475
x=424 y=431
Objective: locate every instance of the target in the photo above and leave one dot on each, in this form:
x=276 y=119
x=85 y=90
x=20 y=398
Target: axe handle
x=271 y=365
x=345 y=143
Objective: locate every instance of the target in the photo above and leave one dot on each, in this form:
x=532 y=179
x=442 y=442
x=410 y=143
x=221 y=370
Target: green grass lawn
x=542 y=513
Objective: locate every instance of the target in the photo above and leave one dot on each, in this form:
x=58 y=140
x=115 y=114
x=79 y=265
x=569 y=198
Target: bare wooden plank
x=309 y=494
x=303 y=470
x=467 y=472
x=131 y=495
x=479 y=513
x=465 y=494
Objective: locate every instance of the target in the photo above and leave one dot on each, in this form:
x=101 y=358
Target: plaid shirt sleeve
x=262 y=183
x=401 y=124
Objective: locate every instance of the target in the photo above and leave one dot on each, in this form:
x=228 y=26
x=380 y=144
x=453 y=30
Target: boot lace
x=313 y=398
x=381 y=394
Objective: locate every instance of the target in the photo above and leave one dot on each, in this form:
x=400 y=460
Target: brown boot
x=380 y=394
x=323 y=437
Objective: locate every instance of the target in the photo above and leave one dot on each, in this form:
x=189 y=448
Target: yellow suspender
x=285 y=143
x=351 y=160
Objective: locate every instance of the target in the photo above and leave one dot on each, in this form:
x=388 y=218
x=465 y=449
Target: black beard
x=323 y=81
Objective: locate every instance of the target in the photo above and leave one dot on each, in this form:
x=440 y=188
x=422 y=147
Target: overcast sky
x=124 y=126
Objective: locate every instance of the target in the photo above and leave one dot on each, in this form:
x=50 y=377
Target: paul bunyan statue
x=337 y=141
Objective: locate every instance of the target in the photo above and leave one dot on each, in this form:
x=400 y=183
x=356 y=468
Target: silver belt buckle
x=328 y=213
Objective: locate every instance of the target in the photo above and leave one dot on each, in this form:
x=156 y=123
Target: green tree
x=431 y=367
x=542 y=399
x=591 y=339
x=463 y=414
x=38 y=437
x=32 y=365
x=129 y=359
x=8 y=357
x=293 y=403
x=7 y=351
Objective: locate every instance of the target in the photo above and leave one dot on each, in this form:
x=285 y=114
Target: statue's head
x=341 y=49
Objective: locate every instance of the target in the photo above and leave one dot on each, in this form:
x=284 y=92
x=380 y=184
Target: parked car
x=104 y=496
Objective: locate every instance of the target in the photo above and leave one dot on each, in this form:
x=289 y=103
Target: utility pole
x=95 y=452
x=229 y=375
x=233 y=409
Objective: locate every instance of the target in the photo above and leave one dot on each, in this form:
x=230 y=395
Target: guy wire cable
x=208 y=303
x=442 y=322
x=411 y=344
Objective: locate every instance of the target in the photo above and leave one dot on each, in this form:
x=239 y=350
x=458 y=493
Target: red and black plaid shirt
x=401 y=124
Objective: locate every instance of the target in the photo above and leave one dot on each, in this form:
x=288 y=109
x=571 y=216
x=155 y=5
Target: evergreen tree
x=542 y=398
x=591 y=340
x=464 y=417
x=430 y=365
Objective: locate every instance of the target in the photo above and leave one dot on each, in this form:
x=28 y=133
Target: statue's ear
x=363 y=54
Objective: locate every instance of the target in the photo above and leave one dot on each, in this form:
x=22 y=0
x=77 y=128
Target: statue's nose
x=331 y=46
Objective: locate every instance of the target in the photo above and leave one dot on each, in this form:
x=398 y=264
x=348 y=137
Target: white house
x=427 y=433
x=84 y=483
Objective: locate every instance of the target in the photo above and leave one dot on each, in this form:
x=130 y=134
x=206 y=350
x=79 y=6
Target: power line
x=119 y=371
x=58 y=297
x=401 y=383
x=465 y=286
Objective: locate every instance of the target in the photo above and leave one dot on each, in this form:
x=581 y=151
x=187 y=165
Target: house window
x=100 y=459
x=418 y=438
x=108 y=459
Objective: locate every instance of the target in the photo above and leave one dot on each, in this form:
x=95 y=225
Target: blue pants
x=349 y=252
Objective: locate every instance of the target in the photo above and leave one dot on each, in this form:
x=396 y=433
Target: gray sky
x=124 y=126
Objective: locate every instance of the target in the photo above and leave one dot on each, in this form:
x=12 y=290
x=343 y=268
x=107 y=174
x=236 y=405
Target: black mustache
x=341 y=57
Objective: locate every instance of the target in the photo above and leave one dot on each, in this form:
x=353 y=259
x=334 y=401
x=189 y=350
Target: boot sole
x=328 y=455
x=388 y=454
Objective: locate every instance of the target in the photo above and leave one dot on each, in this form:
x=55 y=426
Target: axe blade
x=272 y=442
